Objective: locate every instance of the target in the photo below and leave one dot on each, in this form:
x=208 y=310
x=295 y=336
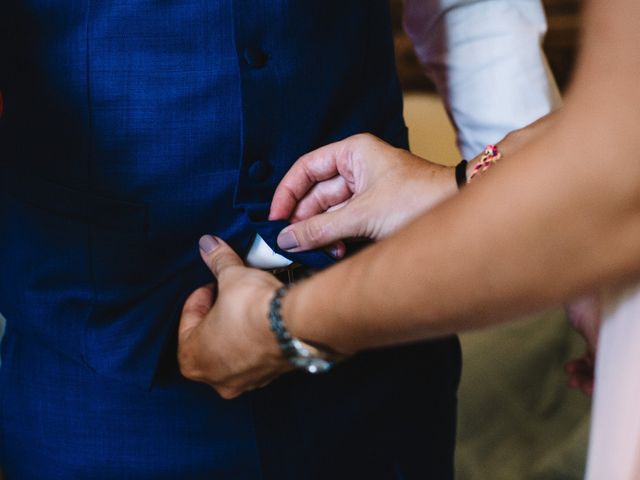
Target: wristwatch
x=302 y=354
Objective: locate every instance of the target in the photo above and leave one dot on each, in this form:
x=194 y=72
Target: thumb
x=318 y=231
x=218 y=255
x=196 y=308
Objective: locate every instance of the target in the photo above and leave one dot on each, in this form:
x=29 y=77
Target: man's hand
x=224 y=335
x=358 y=187
x=585 y=316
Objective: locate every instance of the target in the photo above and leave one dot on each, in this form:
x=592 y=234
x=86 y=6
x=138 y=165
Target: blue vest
x=130 y=128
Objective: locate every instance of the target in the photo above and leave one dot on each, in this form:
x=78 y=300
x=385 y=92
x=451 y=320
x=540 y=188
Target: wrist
x=482 y=162
x=450 y=181
x=260 y=315
x=320 y=325
x=300 y=351
x=430 y=185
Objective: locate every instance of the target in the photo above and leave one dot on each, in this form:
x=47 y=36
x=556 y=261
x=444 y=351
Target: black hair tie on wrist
x=461 y=173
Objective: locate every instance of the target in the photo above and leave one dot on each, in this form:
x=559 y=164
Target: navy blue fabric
x=269 y=230
x=130 y=129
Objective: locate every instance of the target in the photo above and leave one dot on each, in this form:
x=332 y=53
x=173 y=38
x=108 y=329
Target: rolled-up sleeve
x=486 y=59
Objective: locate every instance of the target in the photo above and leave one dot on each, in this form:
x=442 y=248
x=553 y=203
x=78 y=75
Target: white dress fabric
x=614 y=448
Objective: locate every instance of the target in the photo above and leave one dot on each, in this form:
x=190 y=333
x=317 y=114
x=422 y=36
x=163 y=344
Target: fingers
x=585 y=316
x=322 y=197
x=346 y=158
x=308 y=170
x=193 y=315
x=231 y=392
x=582 y=382
x=196 y=308
x=581 y=373
x=218 y=255
x=318 y=231
x=228 y=393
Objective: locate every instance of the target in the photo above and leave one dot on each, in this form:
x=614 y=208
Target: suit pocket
x=269 y=230
x=47 y=274
x=115 y=230
x=78 y=205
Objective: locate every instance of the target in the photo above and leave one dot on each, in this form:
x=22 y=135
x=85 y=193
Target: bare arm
x=568 y=226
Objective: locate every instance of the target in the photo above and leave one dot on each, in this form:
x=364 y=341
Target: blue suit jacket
x=131 y=128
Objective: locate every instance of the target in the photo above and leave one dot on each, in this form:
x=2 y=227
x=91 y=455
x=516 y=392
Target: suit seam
x=90 y=183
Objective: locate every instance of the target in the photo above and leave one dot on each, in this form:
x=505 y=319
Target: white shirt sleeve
x=486 y=59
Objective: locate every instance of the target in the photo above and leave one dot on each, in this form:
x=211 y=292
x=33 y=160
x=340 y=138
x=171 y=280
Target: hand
x=585 y=316
x=358 y=187
x=224 y=338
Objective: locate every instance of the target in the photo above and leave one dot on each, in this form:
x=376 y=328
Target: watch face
x=312 y=365
x=308 y=358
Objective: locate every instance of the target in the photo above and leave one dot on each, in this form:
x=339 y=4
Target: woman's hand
x=224 y=336
x=585 y=316
x=358 y=187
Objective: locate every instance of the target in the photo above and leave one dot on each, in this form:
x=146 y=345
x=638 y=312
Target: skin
x=352 y=188
x=585 y=316
x=339 y=191
x=375 y=177
x=542 y=227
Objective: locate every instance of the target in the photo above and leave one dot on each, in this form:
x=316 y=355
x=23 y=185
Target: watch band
x=461 y=173
x=305 y=355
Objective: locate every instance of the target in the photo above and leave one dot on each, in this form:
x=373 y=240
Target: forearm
x=570 y=224
x=429 y=280
x=519 y=139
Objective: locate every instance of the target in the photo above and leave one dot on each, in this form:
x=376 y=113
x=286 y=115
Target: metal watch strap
x=311 y=357
x=277 y=325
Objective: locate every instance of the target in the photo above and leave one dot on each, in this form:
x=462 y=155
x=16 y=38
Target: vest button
x=255 y=57
x=259 y=171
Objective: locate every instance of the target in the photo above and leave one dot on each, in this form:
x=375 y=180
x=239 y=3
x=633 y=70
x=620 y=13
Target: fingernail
x=208 y=244
x=287 y=240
